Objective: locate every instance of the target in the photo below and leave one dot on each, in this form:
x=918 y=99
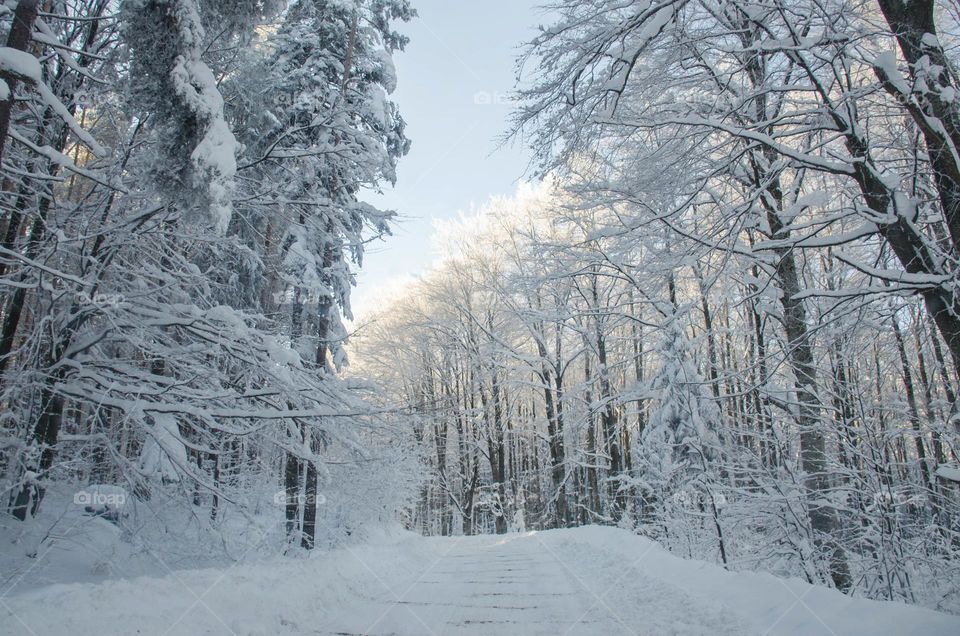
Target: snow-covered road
x=520 y=585
x=589 y=580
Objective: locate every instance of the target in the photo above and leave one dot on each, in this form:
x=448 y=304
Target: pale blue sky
x=453 y=80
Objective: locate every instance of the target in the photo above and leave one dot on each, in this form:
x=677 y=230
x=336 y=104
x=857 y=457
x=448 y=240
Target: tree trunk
x=934 y=110
x=910 y=391
x=21 y=32
x=309 y=534
x=291 y=481
x=45 y=438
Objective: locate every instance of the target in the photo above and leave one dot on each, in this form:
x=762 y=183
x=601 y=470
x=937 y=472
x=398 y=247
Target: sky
x=454 y=78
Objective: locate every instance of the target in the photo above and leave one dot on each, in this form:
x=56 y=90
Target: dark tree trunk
x=291 y=480
x=813 y=443
x=45 y=438
x=910 y=391
x=308 y=537
x=19 y=38
x=554 y=414
x=593 y=490
x=935 y=111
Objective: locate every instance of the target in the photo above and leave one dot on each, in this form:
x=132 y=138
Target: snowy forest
x=180 y=221
x=721 y=310
x=728 y=319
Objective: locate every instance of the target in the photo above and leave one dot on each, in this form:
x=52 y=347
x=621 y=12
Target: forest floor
x=589 y=580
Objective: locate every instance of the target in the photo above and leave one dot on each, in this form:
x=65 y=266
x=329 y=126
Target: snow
x=216 y=153
x=230 y=318
x=21 y=64
x=185 y=400
x=771 y=605
x=387 y=69
x=214 y=158
x=51 y=100
x=377 y=105
x=652 y=27
x=950 y=473
x=100 y=495
x=591 y=580
x=27 y=67
x=164 y=454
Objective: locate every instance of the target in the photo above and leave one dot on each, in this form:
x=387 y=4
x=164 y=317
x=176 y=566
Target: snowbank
x=771 y=604
x=275 y=596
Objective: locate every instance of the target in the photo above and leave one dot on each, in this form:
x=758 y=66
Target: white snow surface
x=950 y=473
x=590 y=580
x=20 y=63
x=163 y=453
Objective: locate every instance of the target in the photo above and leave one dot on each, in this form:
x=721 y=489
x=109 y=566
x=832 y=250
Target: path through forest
x=520 y=585
x=589 y=580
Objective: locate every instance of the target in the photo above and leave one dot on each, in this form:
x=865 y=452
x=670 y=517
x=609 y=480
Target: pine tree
x=680 y=446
